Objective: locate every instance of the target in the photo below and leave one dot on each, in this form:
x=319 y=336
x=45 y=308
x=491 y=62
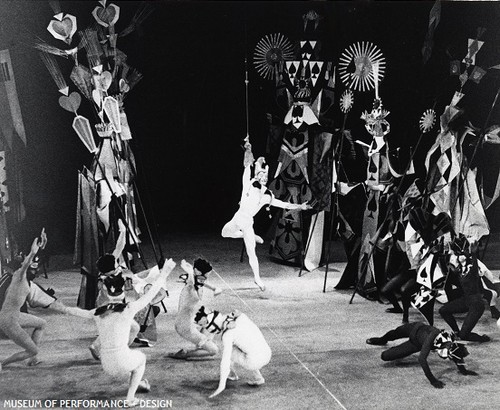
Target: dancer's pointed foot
x=259 y=239
x=34 y=361
x=94 y=352
x=217 y=291
x=233 y=376
x=394 y=309
x=260 y=284
x=132 y=402
x=378 y=341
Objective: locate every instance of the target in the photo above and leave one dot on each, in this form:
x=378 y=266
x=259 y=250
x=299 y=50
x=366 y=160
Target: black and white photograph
x=249 y=204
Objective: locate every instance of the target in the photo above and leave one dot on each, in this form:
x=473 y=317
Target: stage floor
x=320 y=358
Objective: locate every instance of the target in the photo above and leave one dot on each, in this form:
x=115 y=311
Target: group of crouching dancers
x=123 y=296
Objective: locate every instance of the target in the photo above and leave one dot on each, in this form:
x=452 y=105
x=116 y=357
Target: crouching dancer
x=424 y=338
x=114 y=322
x=13 y=322
x=243 y=346
x=194 y=279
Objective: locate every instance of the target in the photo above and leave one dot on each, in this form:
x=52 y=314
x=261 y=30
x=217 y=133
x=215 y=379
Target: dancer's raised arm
x=37 y=244
x=145 y=299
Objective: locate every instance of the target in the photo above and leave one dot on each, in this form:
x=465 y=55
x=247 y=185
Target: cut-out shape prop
x=270 y=51
x=63 y=27
x=356 y=66
x=427 y=120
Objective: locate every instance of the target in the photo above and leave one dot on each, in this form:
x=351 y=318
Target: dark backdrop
x=188 y=114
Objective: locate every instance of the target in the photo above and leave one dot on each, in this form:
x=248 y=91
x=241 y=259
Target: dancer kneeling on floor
x=254 y=196
x=189 y=301
x=243 y=344
x=13 y=322
x=424 y=338
x=114 y=323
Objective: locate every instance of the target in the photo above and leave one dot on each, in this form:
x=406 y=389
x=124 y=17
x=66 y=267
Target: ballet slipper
x=181 y=355
x=132 y=403
x=394 y=310
x=377 y=341
x=144 y=386
x=34 y=362
x=259 y=240
x=233 y=376
x=260 y=284
x=94 y=353
x=257 y=382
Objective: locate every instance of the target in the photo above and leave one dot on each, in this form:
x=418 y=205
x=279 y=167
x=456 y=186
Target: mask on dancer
x=201 y=268
x=261 y=171
x=214 y=321
x=115 y=287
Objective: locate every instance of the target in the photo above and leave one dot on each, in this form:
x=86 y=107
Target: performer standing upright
x=254 y=196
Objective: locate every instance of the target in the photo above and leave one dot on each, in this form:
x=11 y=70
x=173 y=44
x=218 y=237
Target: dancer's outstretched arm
x=288 y=205
x=187 y=267
x=75 y=311
x=144 y=300
x=225 y=363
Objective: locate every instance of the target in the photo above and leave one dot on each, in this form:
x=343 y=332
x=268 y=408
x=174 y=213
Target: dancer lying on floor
x=114 y=322
x=424 y=338
x=13 y=322
x=254 y=196
x=189 y=302
x=243 y=346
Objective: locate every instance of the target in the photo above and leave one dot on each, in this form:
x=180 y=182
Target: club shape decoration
x=427 y=120
x=270 y=51
x=356 y=66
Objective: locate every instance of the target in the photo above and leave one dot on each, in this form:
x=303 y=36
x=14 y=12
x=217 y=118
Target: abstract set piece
x=302 y=134
x=12 y=144
x=103 y=78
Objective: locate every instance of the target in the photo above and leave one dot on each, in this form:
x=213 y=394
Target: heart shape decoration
x=70 y=103
x=123 y=85
x=103 y=81
x=106 y=16
x=63 y=27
